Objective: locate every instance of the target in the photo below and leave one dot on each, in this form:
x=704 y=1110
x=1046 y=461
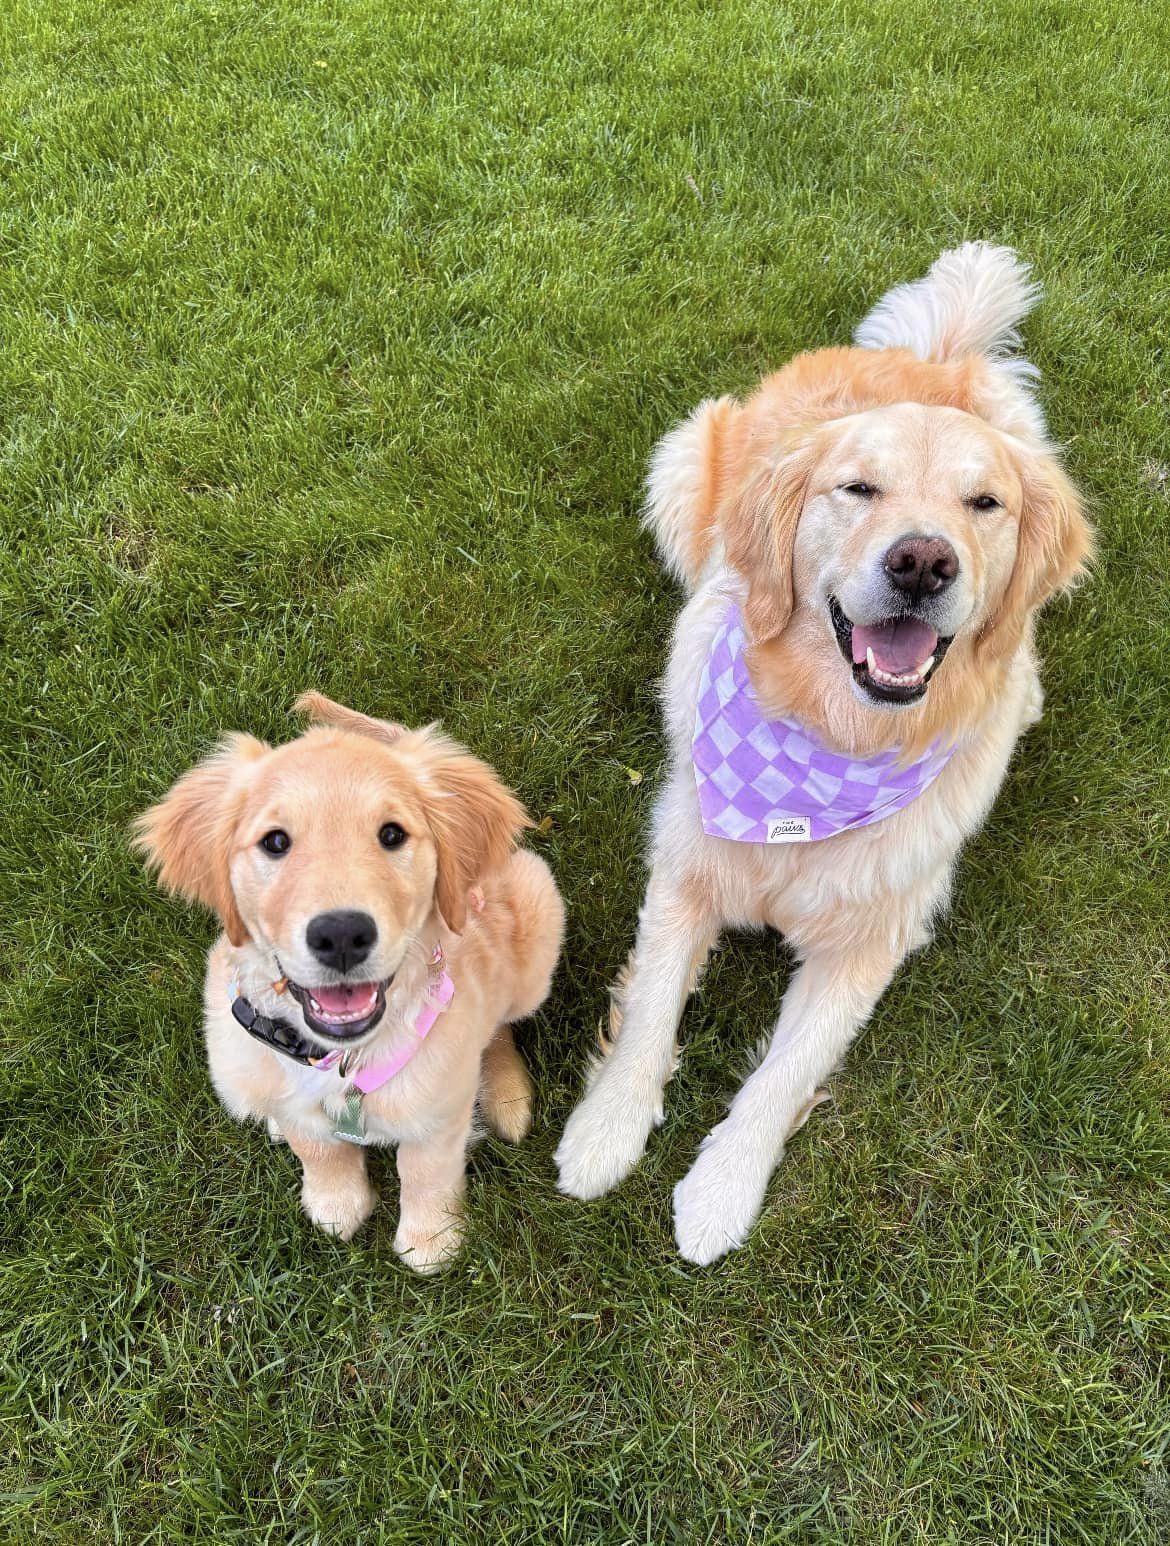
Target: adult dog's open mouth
x=893 y=661
x=343 y=1011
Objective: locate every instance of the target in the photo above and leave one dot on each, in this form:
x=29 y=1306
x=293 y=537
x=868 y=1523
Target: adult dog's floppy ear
x=1054 y=547
x=187 y=836
x=323 y=711
x=474 y=820
x=689 y=472
x=759 y=521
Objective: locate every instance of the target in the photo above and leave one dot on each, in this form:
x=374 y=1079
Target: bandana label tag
x=790 y=829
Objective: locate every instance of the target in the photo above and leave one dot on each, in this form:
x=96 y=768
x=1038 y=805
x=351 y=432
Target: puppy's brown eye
x=862 y=490
x=277 y=843
x=391 y=835
x=984 y=502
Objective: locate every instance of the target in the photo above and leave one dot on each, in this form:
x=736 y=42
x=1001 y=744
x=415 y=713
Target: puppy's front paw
x=339 y=1211
x=717 y=1202
x=428 y=1249
x=603 y=1140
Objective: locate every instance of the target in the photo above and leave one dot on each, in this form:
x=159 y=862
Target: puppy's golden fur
x=456 y=881
x=792 y=504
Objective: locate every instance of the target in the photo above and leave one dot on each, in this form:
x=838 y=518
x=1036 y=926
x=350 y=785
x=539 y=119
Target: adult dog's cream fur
x=332 y=791
x=792 y=503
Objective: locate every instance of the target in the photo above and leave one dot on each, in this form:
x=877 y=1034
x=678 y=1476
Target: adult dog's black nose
x=921 y=566
x=341 y=940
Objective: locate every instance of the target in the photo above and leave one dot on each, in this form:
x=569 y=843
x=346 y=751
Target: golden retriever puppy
x=865 y=543
x=380 y=935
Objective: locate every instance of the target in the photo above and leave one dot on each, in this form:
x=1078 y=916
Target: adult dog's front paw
x=339 y=1211
x=603 y=1140
x=717 y=1201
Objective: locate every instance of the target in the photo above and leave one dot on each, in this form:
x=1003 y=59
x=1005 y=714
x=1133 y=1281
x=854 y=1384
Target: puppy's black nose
x=921 y=566
x=341 y=940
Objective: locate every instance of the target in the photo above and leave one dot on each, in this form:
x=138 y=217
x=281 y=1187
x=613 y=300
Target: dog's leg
x=606 y=1134
x=828 y=1001
x=433 y=1178
x=505 y=1089
x=335 y=1194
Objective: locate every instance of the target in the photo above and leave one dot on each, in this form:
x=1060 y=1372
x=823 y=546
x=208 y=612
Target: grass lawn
x=335 y=339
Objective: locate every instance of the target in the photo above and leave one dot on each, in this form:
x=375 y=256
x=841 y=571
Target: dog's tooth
x=870 y=662
x=903 y=678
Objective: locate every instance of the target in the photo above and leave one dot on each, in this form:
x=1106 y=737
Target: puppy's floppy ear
x=323 y=711
x=759 y=521
x=187 y=836
x=474 y=819
x=1054 y=547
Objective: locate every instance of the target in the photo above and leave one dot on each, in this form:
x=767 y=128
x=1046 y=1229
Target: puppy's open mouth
x=893 y=661
x=343 y=1011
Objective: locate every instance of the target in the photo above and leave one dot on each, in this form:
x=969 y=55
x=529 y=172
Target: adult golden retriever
x=866 y=541
x=380 y=934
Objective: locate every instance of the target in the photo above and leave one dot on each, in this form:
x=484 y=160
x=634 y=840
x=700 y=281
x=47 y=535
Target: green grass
x=335 y=339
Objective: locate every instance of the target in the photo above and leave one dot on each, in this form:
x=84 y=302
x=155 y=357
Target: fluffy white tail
x=971 y=302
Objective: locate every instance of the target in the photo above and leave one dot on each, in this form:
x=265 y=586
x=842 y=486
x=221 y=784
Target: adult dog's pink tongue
x=897 y=647
x=347 y=998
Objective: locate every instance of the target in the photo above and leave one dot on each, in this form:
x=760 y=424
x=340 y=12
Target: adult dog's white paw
x=603 y=1140
x=339 y=1211
x=716 y=1202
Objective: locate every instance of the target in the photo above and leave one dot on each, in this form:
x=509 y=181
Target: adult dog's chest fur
x=811 y=890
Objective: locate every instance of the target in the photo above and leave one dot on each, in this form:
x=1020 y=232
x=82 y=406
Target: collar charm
x=771 y=780
x=350 y=1126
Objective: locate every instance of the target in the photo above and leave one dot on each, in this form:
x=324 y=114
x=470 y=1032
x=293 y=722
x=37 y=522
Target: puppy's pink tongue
x=346 y=998
x=897 y=647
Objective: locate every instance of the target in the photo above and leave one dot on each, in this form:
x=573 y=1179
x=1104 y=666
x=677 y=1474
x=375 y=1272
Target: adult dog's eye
x=277 y=843
x=391 y=835
x=862 y=490
x=984 y=502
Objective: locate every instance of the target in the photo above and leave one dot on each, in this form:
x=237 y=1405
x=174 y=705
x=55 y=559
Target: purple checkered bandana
x=770 y=780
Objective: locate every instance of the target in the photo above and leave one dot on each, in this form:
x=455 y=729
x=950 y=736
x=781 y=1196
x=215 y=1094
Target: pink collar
x=280 y=1036
x=440 y=992
x=375 y=1075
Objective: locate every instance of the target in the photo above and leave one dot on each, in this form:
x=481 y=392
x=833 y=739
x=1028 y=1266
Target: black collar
x=277 y=1034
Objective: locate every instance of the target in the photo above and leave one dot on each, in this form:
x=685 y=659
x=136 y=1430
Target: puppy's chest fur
x=251 y=1079
x=402 y=1110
